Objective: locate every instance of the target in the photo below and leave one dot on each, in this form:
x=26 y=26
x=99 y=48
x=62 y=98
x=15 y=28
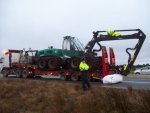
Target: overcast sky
x=38 y=24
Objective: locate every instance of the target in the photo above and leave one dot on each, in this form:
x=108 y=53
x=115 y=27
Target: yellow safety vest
x=110 y=32
x=83 y=66
x=124 y=67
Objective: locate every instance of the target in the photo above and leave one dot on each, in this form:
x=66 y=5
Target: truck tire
x=18 y=73
x=74 y=63
x=74 y=77
x=25 y=74
x=42 y=63
x=5 y=72
x=137 y=73
x=63 y=77
x=54 y=63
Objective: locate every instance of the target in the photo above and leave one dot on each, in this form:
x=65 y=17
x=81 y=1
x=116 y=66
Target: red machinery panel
x=112 y=57
x=105 y=70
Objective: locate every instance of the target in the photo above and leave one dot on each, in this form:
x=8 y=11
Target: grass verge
x=35 y=96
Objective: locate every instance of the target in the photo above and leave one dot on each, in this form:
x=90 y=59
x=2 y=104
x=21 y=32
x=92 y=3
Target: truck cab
x=1 y=63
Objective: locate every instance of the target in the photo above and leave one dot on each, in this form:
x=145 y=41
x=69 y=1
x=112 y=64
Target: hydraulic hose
x=95 y=38
x=127 y=51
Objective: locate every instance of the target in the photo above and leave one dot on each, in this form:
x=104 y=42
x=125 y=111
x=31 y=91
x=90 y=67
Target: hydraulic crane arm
x=99 y=36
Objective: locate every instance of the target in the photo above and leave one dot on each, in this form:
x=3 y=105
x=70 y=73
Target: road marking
x=136 y=82
x=111 y=86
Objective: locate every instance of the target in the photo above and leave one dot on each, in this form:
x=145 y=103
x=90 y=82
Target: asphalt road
x=128 y=82
x=135 y=83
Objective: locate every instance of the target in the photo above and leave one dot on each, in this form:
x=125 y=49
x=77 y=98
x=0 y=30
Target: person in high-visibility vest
x=124 y=67
x=84 y=67
x=113 y=33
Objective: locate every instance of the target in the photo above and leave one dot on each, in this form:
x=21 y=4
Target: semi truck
x=64 y=62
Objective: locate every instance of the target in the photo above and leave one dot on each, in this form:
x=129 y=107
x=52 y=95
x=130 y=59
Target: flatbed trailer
x=27 y=70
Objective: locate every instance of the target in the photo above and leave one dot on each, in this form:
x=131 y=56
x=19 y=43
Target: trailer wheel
x=25 y=74
x=18 y=73
x=54 y=63
x=42 y=63
x=74 y=77
x=5 y=72
x=63 y=77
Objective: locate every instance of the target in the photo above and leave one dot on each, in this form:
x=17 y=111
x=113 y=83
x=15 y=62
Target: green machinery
x=53 y=58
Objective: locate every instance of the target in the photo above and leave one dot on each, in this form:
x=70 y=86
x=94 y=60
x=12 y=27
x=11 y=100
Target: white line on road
x=114 y=87
x=136 y=82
